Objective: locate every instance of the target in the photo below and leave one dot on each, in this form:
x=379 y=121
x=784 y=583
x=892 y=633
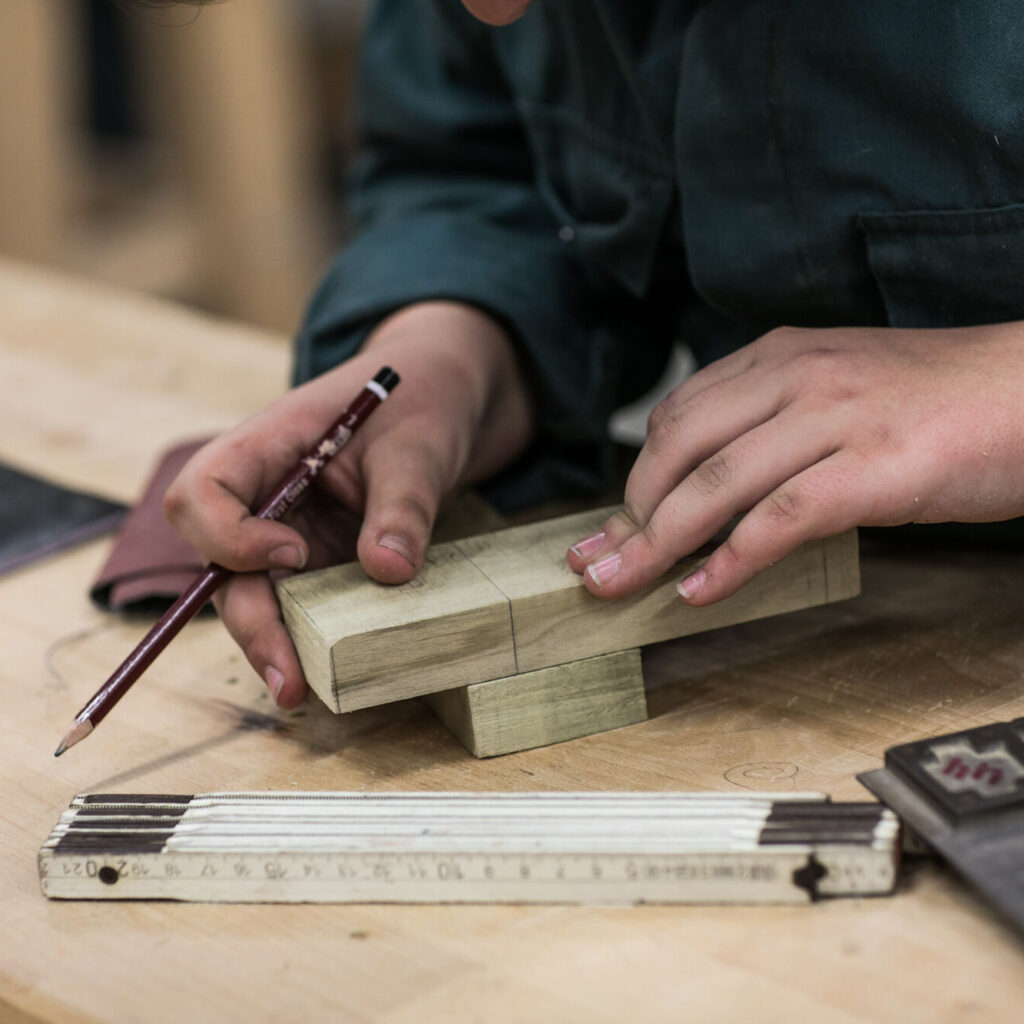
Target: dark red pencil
x=282 y=498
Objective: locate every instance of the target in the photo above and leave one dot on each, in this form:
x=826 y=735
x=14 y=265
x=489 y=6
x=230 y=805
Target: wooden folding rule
x=443 y=847
x=506 y=642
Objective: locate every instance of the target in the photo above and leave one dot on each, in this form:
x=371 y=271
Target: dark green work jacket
x=606 y=176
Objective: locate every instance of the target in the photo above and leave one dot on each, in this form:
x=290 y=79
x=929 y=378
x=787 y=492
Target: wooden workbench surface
x=94 y=384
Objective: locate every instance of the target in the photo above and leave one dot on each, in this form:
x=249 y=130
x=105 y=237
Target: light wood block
x=362 y=643
x=506 y=602
x=548 y=705
x=556 y=617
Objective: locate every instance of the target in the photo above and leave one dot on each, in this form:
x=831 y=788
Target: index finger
x=685 y=435
x=210 y=503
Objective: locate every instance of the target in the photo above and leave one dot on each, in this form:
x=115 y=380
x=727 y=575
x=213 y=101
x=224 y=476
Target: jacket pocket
x=948 y=268
x=610 y=197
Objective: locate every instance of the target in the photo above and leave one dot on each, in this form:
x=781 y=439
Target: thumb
x=403 y=493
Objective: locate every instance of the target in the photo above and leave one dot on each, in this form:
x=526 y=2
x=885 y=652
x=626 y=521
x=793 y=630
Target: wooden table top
x=95 y=383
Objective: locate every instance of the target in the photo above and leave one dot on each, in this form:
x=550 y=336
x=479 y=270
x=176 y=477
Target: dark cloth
x=605 y=177
x=39 y=518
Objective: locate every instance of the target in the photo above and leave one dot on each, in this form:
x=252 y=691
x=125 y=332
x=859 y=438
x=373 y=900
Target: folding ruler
x=963 y=795
x=470 y=847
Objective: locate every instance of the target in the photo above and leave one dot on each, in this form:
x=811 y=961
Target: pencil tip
x=77 y=732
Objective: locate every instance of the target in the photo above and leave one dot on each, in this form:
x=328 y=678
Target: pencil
x=283 y=497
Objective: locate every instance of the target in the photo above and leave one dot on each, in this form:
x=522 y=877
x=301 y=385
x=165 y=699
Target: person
x=825 y=201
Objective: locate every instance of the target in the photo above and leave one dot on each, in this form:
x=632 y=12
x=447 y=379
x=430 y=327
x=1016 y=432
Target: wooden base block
x=548 y=705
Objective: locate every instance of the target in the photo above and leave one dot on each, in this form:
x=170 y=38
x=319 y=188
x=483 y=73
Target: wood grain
x=556 y=618
x=547 y=705
x=362 y=643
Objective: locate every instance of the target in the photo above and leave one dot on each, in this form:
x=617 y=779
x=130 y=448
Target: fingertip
x=274 y=679
x=391 y=558
x=399 y=545
x=288 y=691
x=174 y=502
x=604 y=570
x=603 y=543
x=602 y=593
x=249 y=611
x=256 y=544
x=400 y=510
x=693 y=586
x=288 y=556
x=607 y=578
x=584 y=551
x=718 y=578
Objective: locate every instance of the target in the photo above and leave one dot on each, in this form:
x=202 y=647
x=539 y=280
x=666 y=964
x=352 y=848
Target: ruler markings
x=467 y=847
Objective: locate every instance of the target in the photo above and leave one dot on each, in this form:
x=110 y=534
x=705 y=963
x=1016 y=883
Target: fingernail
x=692 y=585
x=398 y=545
x=601 y=572
x=289 y=556
x=588 y=546
x=274 y=680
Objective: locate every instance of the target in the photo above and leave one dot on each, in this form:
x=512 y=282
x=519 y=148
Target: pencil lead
x=77 y=732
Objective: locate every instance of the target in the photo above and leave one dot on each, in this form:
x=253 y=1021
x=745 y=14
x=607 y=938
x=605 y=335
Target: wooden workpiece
x=556 y=619
x=96 y=384
x=547 y=705
x=504 y=611
x=362 y=643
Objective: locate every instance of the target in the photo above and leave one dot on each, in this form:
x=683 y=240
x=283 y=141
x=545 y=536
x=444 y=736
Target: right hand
x=461 y=413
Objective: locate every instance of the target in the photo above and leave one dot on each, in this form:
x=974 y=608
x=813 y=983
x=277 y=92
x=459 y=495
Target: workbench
x=95 y=384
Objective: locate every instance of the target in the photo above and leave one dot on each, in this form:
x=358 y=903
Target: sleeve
x=444 y=207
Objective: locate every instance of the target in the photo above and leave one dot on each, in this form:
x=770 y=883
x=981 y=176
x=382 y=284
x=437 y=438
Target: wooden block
x=362 y=643
x=506 y=602
x=555 y=617
x=548 y=705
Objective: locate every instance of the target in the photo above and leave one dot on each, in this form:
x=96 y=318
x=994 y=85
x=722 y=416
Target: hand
x=806 y=433
x=460 y=414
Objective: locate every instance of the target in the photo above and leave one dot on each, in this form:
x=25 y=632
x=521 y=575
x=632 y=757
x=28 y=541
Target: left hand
x=805 y=433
